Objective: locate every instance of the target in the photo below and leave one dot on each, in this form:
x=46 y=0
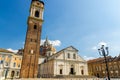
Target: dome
x=53 y=49
x=47 y=48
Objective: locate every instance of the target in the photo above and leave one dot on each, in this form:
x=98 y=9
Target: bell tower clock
x=29 y=67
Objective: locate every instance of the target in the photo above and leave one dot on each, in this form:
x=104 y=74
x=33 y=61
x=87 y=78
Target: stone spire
x=46 y=43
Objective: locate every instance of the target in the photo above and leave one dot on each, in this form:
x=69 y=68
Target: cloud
x=114 y=48
x=94 y=48
x=102 y=43
x=10 y=49
x=88 y=58
x=53 y=42
x=42 y=42
x=99 y=45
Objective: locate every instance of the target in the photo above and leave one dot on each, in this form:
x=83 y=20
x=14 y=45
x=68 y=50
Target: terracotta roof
x=4 y=50
x=101 y=59
x=117 y=58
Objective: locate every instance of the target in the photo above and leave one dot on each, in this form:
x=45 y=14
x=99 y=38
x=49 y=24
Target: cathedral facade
x=64 y=63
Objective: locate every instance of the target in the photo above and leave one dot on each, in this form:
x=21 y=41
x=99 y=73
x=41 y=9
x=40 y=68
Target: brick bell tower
x=29 y=67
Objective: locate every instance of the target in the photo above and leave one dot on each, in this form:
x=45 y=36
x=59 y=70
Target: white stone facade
x=66 y=62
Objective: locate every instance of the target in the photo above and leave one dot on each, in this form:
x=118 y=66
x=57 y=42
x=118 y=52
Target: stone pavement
x=64 y=79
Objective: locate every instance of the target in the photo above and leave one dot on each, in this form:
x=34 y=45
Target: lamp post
x=103 y=51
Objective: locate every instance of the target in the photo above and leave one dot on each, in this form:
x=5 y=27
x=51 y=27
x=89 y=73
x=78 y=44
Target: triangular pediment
x=71 y=48
x=62 y=54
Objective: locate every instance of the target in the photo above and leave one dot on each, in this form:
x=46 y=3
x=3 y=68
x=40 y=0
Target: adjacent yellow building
x=97 y=67
x=10 y=64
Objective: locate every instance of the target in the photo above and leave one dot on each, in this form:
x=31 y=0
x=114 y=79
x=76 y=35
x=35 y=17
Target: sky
x=83 y=24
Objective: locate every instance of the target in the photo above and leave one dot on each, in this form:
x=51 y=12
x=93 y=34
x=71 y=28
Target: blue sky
x=84 y=24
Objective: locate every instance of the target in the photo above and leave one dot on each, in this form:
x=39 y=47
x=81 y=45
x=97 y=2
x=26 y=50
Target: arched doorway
x=98 y=75
x=72 y=70
x=61 y=69
x=82 y=72
x=12 y=74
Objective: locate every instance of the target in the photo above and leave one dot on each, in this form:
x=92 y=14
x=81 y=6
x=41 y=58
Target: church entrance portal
x=71 y=71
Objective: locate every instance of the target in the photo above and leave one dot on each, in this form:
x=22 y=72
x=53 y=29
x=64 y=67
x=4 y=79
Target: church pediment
x=63 y=54
x=71 y=48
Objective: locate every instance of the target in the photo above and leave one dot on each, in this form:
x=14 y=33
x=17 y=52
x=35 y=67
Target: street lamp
x=103 y=51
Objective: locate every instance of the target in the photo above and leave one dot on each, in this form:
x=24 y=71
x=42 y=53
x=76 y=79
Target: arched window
x=19 y=65
x=35 y=26
x=6 y=64
x=18 y=73
x=68 y=55
x=12 y=74
x=36 y=13
x=1 y=62
x=74 y=56
x=14 y=65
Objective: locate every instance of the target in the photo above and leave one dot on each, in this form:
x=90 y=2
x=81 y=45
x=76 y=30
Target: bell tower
x=29 y=68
